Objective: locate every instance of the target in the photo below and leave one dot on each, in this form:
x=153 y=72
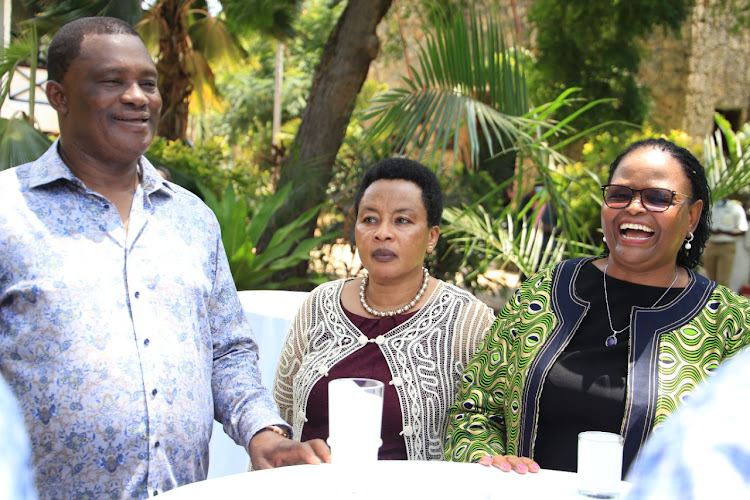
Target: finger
x=501 y=462
x=321 y=450
x=522 y=465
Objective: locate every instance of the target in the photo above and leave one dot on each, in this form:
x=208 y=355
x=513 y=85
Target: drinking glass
x=355 y=412
x=599 y=464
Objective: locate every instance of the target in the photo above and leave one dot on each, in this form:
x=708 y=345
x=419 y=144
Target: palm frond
x=727 y=174
x=485 y=93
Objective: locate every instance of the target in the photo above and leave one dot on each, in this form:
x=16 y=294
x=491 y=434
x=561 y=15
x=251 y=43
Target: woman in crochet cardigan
x=395 y=324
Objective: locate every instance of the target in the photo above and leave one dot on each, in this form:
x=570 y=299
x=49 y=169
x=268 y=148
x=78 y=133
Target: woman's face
x=640 y=240
x=391 y=231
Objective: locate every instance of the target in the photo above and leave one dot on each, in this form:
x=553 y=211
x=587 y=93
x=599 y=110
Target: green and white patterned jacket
x=673 y=348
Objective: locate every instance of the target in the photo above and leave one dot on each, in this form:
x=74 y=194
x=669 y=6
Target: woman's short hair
x=700 y=191
x=400 y=168
x=66 y=44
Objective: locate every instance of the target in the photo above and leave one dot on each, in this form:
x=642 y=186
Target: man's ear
x=56 y=97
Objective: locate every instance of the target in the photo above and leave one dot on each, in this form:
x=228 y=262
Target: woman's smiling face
x=640 y=240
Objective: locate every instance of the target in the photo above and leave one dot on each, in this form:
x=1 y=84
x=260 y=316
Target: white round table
x=388 y=480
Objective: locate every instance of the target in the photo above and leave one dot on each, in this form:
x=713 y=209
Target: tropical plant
x=186 y=39
x=468 y=79
x=510 y=243
x=20 y=140
x=52 y=14
x=469 y=83
x=728 y=173
x=241 y=229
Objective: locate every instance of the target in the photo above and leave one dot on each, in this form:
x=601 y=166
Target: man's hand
x=268 y=450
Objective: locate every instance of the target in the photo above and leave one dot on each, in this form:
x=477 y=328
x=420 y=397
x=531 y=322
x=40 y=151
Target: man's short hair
x=66 y=44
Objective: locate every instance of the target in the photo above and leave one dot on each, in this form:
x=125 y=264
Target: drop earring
x=690 y=237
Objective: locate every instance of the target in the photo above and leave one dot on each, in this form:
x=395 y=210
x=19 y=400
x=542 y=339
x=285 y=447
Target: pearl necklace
x=611 y=340
x=400 y=310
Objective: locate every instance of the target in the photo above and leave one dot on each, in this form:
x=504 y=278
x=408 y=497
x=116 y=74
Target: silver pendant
x=611 y=341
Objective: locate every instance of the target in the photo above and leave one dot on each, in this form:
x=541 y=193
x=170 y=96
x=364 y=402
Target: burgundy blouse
x=367 y=362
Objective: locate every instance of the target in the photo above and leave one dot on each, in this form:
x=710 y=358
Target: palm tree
x=187 y=38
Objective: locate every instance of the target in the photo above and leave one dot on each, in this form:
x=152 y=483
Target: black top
x=585 y=388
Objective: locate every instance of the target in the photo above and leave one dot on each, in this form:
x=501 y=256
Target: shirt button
x=156 y=444
x=323 y=370
x=146 y=342
x=408 y=431
x=397 y=382
x=380 y=340
x=154 y=392
x=362 y=339
x=301 y=416
x=137 y=294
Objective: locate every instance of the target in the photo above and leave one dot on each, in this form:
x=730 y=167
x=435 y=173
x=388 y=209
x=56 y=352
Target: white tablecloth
x=270 y=313
x=387 y=480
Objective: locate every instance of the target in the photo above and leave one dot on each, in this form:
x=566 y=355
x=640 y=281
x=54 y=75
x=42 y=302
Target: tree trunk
x=351 y=47
x=174 y=78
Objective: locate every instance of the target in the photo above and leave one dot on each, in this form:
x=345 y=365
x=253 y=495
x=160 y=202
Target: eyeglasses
x=652 y=199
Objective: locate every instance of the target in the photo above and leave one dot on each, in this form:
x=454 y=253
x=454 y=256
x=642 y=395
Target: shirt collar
x=50 y=167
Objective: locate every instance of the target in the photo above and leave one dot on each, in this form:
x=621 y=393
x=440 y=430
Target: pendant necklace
x=400 y=310
x=611 y=340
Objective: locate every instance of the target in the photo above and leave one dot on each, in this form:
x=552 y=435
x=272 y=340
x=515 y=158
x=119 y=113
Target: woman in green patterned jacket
x=613 y=343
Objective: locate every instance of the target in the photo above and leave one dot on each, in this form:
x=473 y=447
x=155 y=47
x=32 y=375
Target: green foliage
x=738 y=10
x=20 y=141
x=273 y=18
x=241 y=229
x=211 y=163
x=728 y=173
x=55 y=14
x=246 y=120
x=510 y=243
x=469 y=83
x=467 y=76
x=595 y=45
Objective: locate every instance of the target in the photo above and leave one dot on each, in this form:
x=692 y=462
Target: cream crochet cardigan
x=426 y=356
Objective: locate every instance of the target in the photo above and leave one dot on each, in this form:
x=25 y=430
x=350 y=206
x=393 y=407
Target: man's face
x=111 y=103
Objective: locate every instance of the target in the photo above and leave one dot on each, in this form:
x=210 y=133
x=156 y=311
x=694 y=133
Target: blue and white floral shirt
x=120 y=346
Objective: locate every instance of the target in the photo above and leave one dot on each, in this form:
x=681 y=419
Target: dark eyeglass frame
x=647 y=205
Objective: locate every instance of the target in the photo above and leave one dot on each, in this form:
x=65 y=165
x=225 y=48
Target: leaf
x=20 y=142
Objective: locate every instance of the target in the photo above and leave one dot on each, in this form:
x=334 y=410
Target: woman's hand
x=522 y=465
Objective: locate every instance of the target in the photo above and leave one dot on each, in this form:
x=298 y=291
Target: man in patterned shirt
x=120 y=358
